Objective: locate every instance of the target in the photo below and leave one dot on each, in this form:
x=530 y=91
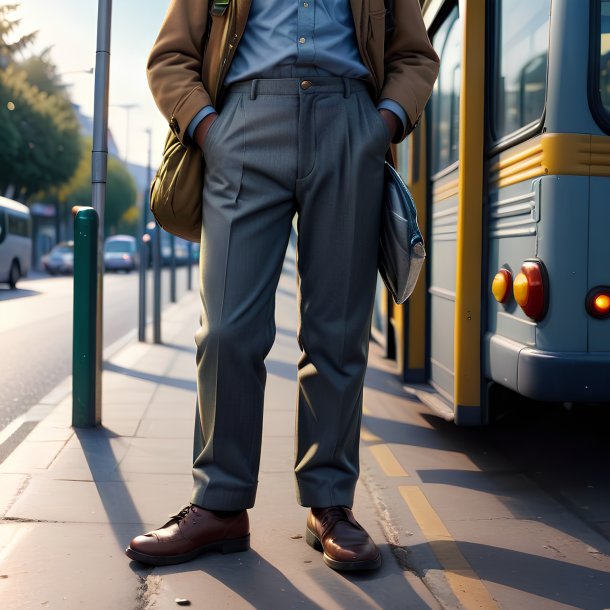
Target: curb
x=17 y=430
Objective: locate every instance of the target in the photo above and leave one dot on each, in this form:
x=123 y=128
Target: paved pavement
x=39 y=313
x=72 y=500
x=458 y=523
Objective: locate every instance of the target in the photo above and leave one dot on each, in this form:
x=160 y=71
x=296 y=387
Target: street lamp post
x=127 y=108
x=99 y=173
x=144 y=247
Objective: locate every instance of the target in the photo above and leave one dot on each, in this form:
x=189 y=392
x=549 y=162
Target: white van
x=15 y=241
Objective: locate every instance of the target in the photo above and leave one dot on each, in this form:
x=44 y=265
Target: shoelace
x=183 y=513
x=331 y=516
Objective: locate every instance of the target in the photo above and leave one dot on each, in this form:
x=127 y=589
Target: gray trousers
x=316 y=148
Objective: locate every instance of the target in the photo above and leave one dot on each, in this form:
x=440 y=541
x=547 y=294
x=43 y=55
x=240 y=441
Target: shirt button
x=302 y=40
x=305 y=84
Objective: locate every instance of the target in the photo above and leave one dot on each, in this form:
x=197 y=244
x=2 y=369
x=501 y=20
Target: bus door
x=443 y=165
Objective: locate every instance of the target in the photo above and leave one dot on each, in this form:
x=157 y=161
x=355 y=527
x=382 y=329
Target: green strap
x=219 y=7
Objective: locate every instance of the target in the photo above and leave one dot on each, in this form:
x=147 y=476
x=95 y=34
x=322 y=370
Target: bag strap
x=389 y=157
x=219 y=7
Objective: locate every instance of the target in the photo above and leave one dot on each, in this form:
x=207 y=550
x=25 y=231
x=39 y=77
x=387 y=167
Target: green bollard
x=84 y=411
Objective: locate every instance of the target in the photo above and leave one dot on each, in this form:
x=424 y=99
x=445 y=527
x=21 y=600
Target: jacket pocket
x=377 y=25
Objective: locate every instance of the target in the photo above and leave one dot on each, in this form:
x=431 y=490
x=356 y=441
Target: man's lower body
x=315 y=147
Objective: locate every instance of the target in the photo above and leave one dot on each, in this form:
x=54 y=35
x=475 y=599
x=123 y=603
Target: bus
x=15 y=241
x=510 y=169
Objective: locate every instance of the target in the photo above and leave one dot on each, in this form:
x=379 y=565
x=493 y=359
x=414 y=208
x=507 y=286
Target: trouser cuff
x=324 y=496
x=223 y=500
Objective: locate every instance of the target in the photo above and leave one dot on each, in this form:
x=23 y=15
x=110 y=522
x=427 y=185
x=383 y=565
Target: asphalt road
x=36 y=331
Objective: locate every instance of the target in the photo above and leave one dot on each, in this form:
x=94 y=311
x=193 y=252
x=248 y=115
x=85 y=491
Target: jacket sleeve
x=411 y=64
x=175 y=64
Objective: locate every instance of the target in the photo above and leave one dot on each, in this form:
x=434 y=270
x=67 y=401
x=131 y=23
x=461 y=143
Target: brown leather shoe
x=189 y=533
x=345 y=543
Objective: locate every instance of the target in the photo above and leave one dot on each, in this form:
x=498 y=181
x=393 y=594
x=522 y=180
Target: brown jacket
x=182 y=81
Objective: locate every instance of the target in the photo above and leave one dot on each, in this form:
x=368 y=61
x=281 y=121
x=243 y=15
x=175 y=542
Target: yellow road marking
x=367 y=436
x=463 y=580
x=389 y=464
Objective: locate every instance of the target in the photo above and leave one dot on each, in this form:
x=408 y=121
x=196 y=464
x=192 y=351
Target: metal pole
x=144 y=238
x=143 y=250
x=127 y=108
x=189 y=268
x=157 y=284
x=84 y=353
x=172 y=284
x=99 y=172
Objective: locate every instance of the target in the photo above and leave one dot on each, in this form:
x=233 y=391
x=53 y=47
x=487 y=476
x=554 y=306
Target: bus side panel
x=563 y=248
x=25 y=254
x=443 y=234
x=511 y=233
x=599 y=258
x=5 y=260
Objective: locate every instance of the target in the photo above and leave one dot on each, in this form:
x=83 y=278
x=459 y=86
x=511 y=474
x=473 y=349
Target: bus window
x=446 y=96
x=604 y=63
x=18 y=226
x=522 y=45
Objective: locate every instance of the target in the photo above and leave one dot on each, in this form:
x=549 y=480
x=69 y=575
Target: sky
x=69 y=27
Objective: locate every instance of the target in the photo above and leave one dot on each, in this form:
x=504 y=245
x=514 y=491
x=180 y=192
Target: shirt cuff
x=205 y=111
x=397 y=109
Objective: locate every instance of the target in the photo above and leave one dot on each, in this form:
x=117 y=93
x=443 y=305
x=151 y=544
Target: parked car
x=121 y=253
x=181 y=248
x=181 y=252
x=60 y=259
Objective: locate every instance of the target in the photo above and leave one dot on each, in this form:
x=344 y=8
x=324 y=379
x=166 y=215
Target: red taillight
x=530 y=289
x=598 y=302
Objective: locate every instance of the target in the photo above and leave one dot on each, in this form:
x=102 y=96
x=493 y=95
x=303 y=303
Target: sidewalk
x=70 y=500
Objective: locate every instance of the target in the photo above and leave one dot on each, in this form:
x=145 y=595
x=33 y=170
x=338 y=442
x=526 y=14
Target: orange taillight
x=501 y=285
x=530 y=290
x=598 y=302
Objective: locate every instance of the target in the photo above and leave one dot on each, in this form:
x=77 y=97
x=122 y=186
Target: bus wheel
x=14 y=275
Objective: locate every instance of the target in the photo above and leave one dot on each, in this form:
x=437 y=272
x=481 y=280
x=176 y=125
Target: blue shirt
x=315 y=34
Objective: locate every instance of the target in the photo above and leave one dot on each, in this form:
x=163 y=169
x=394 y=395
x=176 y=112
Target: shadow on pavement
x=401 y=433
x=181 y=384
x=6 y=294
x=553 y=579
x=118 y=504
x=278 y=368
x=286 y=293
x=181 y=348
x=382 y=381
x=287 y=332
x=249 y=575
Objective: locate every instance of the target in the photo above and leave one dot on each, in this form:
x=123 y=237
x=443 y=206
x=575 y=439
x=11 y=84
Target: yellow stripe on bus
x=467 y=333
x=555 y=154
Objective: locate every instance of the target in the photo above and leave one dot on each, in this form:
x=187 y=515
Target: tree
x=121 y=191
x=40 y=136
x=42 y=73
x=8 y=28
